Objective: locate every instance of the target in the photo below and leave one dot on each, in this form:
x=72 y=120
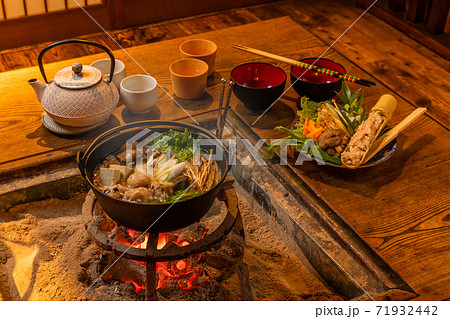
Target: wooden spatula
x=387 y=137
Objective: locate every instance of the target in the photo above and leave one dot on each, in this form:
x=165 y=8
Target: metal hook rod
x=225 y=110
x=222 y=93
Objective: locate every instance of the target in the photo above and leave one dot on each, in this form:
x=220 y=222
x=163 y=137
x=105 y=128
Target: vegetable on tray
x=332 y=132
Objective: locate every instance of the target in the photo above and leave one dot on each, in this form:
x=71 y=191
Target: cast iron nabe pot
x=151 y=217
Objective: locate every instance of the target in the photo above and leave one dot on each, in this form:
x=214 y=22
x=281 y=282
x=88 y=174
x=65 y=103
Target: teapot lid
x=78 y=76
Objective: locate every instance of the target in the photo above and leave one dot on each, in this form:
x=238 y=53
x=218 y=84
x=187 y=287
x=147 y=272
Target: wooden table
x=400 y=208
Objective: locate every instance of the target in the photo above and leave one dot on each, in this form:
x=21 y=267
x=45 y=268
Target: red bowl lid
x=314 y=77
x=258 y=75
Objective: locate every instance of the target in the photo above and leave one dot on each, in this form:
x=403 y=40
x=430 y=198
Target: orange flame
x=183 y=272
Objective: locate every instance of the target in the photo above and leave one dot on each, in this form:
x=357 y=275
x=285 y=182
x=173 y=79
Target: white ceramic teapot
x=80 y=95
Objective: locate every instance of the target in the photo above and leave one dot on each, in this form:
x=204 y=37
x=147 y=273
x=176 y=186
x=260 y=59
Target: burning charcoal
x=128 y=237
x=194 y=279
x=217 y=261
x=194 y=232
x=121 y=269
x=130 y=286
x=114 y=232
x=104 y=224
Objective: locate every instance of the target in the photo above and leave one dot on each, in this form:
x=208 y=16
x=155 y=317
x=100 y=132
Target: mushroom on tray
x=333 y=141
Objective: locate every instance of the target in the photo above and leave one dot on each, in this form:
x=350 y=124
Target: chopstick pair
x=222 y=116
x=343 y=76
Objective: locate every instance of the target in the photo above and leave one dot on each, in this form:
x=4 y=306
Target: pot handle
x=75 y=41
x=80 y=163
x=118 y=129
x=102 y=137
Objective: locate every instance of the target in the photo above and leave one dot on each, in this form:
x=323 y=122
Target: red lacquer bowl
x=316 y=86
x=258 y=85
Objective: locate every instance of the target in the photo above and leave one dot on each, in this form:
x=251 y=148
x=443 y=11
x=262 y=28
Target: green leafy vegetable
x=301 y=141
x=309 y=109
x=351 y=114
x=184 y=155
x=332 y=159
x=180 y=196
x=295 y=134
x=180 y=143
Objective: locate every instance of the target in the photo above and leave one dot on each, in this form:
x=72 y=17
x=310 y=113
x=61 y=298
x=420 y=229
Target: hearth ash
x=185 y=273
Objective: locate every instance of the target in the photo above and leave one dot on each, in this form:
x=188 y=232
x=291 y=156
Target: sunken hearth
x=46 y=253
x=169 y=260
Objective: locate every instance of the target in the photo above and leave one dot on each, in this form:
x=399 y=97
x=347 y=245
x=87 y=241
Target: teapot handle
x=111 y=56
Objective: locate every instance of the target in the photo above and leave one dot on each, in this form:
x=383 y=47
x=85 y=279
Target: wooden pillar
x=397 y=5
x=116 y=14
x=417 y=11
x=447 y=24
x=3 y=9
x=438 y=16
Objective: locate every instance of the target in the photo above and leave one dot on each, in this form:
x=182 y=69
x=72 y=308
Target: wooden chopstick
x=343 y=76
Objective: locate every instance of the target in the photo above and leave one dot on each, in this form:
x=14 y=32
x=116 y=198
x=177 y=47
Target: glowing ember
x=163 y=239
x=181 y=273
x=139 y=288
x=181 y=265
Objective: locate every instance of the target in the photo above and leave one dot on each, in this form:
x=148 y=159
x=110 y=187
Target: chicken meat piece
x=138 y=179
x=138 y=195
x=160 y=189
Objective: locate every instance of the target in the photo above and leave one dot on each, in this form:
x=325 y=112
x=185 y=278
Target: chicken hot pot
x=151 y=217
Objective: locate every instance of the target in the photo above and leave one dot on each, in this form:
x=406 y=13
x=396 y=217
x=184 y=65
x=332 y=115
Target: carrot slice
x=316 y=133
x=305 y=127
x=311 y=126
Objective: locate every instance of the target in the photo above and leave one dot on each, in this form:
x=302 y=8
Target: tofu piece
x=109 y=177
x=125 y=170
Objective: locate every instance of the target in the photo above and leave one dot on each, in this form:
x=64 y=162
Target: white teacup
x=139 y=93
x=104 y=65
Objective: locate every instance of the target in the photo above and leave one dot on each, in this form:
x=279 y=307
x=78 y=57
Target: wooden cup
x=201 y=49
x=189 y=78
